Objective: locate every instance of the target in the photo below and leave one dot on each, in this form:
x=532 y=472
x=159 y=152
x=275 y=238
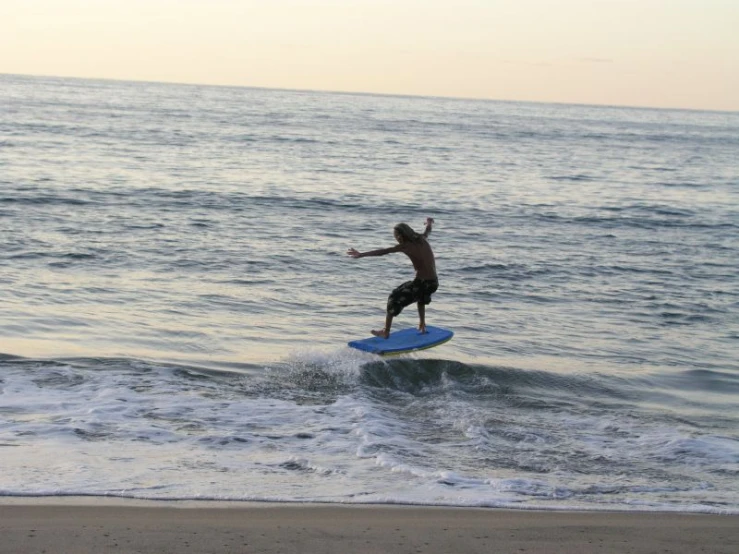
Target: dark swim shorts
x=410 y=292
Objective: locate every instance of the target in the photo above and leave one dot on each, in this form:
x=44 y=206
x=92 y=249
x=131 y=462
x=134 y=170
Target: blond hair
x=407 y=233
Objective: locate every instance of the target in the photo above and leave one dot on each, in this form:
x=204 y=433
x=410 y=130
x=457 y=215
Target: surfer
x=419 y=290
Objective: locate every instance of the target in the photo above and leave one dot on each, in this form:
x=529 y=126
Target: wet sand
x=80 y=526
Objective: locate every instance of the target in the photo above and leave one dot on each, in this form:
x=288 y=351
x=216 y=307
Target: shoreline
x=93 y=524
x=216 y=503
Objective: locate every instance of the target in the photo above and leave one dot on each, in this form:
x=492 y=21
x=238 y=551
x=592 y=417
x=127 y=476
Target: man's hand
x=429 y=224
x=354 y=253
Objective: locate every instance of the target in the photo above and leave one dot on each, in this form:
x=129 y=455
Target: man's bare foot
x=381 y=333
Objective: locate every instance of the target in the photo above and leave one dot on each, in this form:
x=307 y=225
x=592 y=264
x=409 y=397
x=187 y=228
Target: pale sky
x=660 y=53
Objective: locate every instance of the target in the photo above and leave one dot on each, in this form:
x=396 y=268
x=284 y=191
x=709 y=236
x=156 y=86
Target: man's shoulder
x=416 y=248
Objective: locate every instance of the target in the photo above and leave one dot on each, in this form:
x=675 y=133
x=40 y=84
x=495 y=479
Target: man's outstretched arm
x=381 y=252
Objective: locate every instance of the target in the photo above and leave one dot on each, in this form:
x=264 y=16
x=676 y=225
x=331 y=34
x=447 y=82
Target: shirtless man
x=416 y=247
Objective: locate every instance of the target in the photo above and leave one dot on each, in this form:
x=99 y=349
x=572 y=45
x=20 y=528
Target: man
x=417 y=248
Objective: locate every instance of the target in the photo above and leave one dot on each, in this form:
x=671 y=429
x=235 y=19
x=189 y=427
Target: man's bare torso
x=422 y=258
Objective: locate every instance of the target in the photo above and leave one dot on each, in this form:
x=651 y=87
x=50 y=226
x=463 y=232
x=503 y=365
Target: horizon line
x=364 y=93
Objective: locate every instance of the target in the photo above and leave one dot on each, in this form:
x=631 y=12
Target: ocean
x=176 y=299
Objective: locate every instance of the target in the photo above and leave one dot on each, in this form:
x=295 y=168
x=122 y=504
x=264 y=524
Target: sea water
x=175 y=299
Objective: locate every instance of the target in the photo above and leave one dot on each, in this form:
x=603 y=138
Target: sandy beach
x=82 y=526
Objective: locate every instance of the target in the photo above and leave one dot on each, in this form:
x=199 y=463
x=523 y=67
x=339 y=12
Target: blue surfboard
x=406 y=340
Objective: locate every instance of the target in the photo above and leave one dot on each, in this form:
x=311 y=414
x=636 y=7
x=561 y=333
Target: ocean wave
x=661 y=219
x=331 y=376
x=45 y=200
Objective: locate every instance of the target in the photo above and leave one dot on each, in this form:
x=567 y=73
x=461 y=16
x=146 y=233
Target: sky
x=652 y=53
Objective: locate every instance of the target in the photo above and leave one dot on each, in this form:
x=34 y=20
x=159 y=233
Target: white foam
x=149 y=432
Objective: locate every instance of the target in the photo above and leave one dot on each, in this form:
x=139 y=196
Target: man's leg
x=385 y=333
x=401 y=297
x=422 y=317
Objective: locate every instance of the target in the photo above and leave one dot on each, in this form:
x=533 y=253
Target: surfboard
x=404 y=341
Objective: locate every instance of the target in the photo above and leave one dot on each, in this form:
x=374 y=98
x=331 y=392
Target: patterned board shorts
x=410 y=292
